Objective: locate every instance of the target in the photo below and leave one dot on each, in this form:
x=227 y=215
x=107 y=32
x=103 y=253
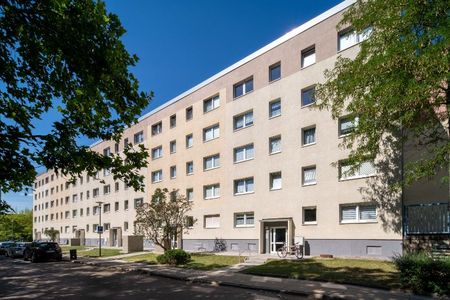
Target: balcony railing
x=432 y=218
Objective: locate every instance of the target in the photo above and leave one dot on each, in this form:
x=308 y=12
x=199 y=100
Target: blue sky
x=181 y=43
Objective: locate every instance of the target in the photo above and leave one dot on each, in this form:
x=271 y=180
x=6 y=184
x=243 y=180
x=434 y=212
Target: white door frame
x=272 y=239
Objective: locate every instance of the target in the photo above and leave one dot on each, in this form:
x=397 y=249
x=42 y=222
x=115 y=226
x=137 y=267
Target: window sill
x=309 y=184
x=156 y=181
x=242 y=128
x=274 y=117
x=342 y=50
x=215 y=138
x=309 y=223
x=308 y=145
x=276 y=189
x=242 y=161
x=244 y=193
x=308 y=105
x=306 y=67
x=215 y=108
x=238 y=97
x=155 y=158
x=211 y=198
x=244 y=226
x=359 y=222
x=275 y=80
x=211 y=227
x=189 y=174
x=273 y=153
x=189 y=147
x=173 y=177
x=210 y=169
x=356 y=178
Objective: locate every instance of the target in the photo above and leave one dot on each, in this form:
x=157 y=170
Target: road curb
x=197 y=279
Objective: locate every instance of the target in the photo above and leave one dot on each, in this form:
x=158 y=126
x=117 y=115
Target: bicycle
x=296 y=250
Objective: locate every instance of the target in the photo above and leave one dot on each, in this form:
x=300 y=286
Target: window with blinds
x=309 y=136
x=347 y=125
x=275 y=144
x=212 y=221
x=358 y=213
x=347 y=171
x=211 y=133
x=243 y=186
x=243 y=120
x=243 y=153
x=275 y=181
x=309 y=175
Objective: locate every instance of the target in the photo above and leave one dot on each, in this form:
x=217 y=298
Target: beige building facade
x=252 y=154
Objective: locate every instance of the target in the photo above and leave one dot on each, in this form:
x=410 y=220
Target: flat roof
x=296 y=31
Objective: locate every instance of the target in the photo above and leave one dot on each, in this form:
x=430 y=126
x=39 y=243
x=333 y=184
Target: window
x=156 y=128
x=106 y=189
x=275 y=108
x=107 y=151
x=125 y=226
x=190 y=168
x=211 y=133
x=190 y=194
x=74 y=200
x=106 y=226
x=116 y=187
x=189 y=221
x=358 y=213
x=189 y=140
x=95 y=210
x=173 y=121
x=87 y=227
x=309 y=215
x=138 y=202
x=309 y=175
x=211 y=103
x=308 y=57
x=125 y=143
x=350 y=37
x=275 y=144
x=347 y=171
x=274 y=72
x=212 y=221
x=88 y=211
x=309 y=136
x=308 y=96
x=74 y=214
x=125 y=205
x=243 y=153
x=275 y=181
x=211 y=191
x=106 y=208
x=243 y=186
x=173 y=172
x=242 y=88
x=157 y=176
x=244 y=219
x=157 y=152
x=139 y=137
x=106 y=172
x=347 y=125
x=211 y=162
x=189 y=113
x=173 y=147
x=116 y=206
x=243 y=120
x=116 y=149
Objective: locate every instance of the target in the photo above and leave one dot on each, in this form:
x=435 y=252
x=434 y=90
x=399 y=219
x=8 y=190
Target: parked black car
x=16 y=250
x=37 y=251
x=4 y=246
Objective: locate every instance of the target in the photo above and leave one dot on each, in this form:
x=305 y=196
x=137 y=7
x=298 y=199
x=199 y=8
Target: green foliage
x=65 y=56
x=17 y=226
x=164 y=218
x=52 y=234
x=420 y=273
x=174 y=257
x=5 y=208
x=398 y=83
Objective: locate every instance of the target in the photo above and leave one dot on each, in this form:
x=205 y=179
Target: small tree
x=52 y=234
x=164 y=218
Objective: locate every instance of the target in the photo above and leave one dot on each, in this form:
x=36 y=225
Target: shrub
x=424 y=275
x=174 y=257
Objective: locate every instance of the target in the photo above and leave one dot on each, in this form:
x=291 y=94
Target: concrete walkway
x=306 y=288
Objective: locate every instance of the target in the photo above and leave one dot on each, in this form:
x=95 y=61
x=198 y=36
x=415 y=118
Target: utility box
x=133 y=243
x=74 y=242
x=73 y=254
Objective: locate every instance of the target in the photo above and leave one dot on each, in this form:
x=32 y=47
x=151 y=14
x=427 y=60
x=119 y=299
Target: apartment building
x=252 y=154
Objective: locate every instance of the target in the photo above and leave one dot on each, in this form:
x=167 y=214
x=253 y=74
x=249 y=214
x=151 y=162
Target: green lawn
x=92 y=252
x=198 y=261
x=371 y=273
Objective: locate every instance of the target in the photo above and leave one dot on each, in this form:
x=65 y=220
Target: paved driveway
x=65 y=280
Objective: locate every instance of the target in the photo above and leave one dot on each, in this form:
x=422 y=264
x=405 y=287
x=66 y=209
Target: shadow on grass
x=384 y=276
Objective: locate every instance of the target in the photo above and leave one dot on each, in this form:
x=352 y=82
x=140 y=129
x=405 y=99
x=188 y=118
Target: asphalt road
x=66 y=280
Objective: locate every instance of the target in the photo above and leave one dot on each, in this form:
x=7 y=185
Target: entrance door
x=278 y=237
x=114 y=238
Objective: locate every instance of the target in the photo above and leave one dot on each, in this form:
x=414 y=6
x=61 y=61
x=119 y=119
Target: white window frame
x=357 y=172
x=350 y=119
x=246 y=150
x=157 y=176
x=173 y=147
x=304 y=169
x=188 y=197
x=246 y=118
x=189 y=137
x=245 y=216
x=157 y=152
x=173 y=172
x=304 y=143
x=217 y=216
x=215 y=191
x=214 y=129
x=358 y=219
x=246 y=180
x=211 y=104
x=313 y=87
x=273 y=176
x=271 y=114
x=215 y=162
x=308 y=57
x=245 y=88
x=356 y=37
x=273 y=67
x=304 y=209
x=138 y=137
x=189 y=163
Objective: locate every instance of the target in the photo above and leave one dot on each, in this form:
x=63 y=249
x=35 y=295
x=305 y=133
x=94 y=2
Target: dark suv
x=37 y=251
